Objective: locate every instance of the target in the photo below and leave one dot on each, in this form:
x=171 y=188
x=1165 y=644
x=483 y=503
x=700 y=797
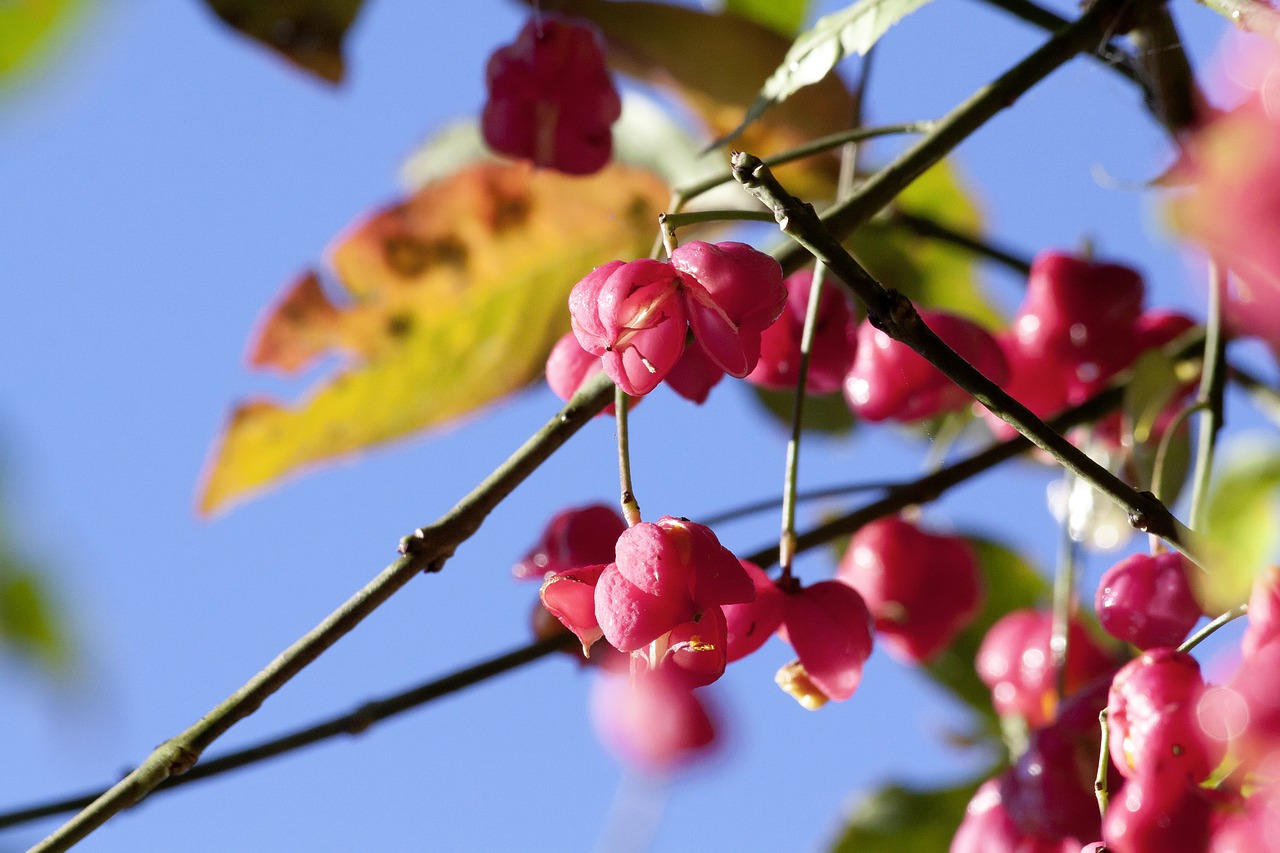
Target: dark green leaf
x=1011 y=583
x=851 y=31
x=783 y=16
x=308 y=33
x=828 y=414
x=897 y=819
x=932 y=273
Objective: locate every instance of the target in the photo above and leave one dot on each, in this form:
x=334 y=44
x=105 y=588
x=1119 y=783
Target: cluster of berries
x=675 y=607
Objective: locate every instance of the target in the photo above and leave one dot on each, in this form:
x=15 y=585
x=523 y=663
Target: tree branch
x=893 y=313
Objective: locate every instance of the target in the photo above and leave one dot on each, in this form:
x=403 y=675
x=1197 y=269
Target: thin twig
x=1208 y=630
x=353 y=723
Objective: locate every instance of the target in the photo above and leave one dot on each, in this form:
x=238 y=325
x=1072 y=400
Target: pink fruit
x=829 y=627
x=921 y=588
x=695 y=374
x=653 y=721
x=1147 y=600
x=1264 y=612
x=750 y=624
x=890 y=381
x=732 y=294
x=551 y=99
x=831 y=354
x=988 y=828
x=576 y=537
x=1014 y=660
x=632 y=316
x=1144 y=818
x=1153 y=717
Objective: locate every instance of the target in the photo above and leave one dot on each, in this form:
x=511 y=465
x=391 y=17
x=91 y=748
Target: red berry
x=1153 y=717
x=551 y=99
x=1015 y=661
x=891 y=381
x=581 y=536
x=1147 y=600
x=831 y=354
x=1264 y=612
x=695 y=374
x=652 y=720
x=1145 y=818
x=921 y=588
x=988 y=828
x=750 y=624
x=828 y=625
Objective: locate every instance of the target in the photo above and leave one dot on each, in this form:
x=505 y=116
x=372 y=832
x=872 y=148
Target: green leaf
x=1010 y=583
x=1240 y=530
x=28 y=28
x=1149 y=392
x=783 y=16
x=28 y=624
x=816 y=52
x=932 y=273
x=828 y=414
x=895 y=819
x=308 y=33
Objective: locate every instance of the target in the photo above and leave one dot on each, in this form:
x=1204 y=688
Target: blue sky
x=159 y=185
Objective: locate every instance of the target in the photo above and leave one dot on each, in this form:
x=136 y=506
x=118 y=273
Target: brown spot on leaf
x=409 y=257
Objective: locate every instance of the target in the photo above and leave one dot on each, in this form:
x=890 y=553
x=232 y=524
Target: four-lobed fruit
x=831 y=352
x=922 y=589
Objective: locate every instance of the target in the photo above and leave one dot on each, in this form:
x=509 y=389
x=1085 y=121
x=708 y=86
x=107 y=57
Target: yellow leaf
x=456 y=296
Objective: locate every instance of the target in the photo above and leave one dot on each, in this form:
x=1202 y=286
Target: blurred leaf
x=1010 y=583
x=828 y=414
x=1240 y=526
x=28 y=28
x=715 y=62
x=896 y=819
x=308 y=33
x=782 y=16
x=27 y=620
x=456 y=296
x=853 y=30
x=934 y=274
x=1149 y=392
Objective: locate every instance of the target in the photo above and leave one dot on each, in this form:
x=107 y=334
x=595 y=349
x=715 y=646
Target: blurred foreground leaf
x=1010 y=583
x=934 y=274
x=828 y=414
x=896 y=819
x=782 y=16
x=1240 y=526
x=850 y=32
x=27 y=28
x=308 y=33
x=456 y=296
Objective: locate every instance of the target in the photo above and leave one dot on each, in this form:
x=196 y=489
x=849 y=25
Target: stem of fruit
x=1064 y=591
x=1213 y=383
x=893 y=313
x=1207 y=631
x=1104 y=755
x=630 y=506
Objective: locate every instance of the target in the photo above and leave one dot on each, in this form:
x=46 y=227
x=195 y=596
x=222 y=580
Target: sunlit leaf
x=28 y=624
x=715 y=63
x=895 y=819
x=1240 y=530
x=828 y=413
x=784 y=16
x=1010 y=583
x=28 y=28
x=1152 y=387
x=454 y=298
x=850 y=32
x=933 y=273
x=308 y=33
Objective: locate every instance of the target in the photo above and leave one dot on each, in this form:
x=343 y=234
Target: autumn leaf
x=454 y=297
x=308 y=33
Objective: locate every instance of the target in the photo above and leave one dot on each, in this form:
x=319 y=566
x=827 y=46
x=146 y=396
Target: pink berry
x=1153 y=717
x=1264 y=612
x=1147 y=600
x=828 y=625
x=632 y=316
x=890 y=381
x=732 y=294
x=831 y=354
x=570 y=596
x=921 y=588
x=1015 y=661
x=695 y=374
x=750 y=624
x=581 y=536
x=1145 y=818
x=988 y=828
x=551 y=99
x=653 y=720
